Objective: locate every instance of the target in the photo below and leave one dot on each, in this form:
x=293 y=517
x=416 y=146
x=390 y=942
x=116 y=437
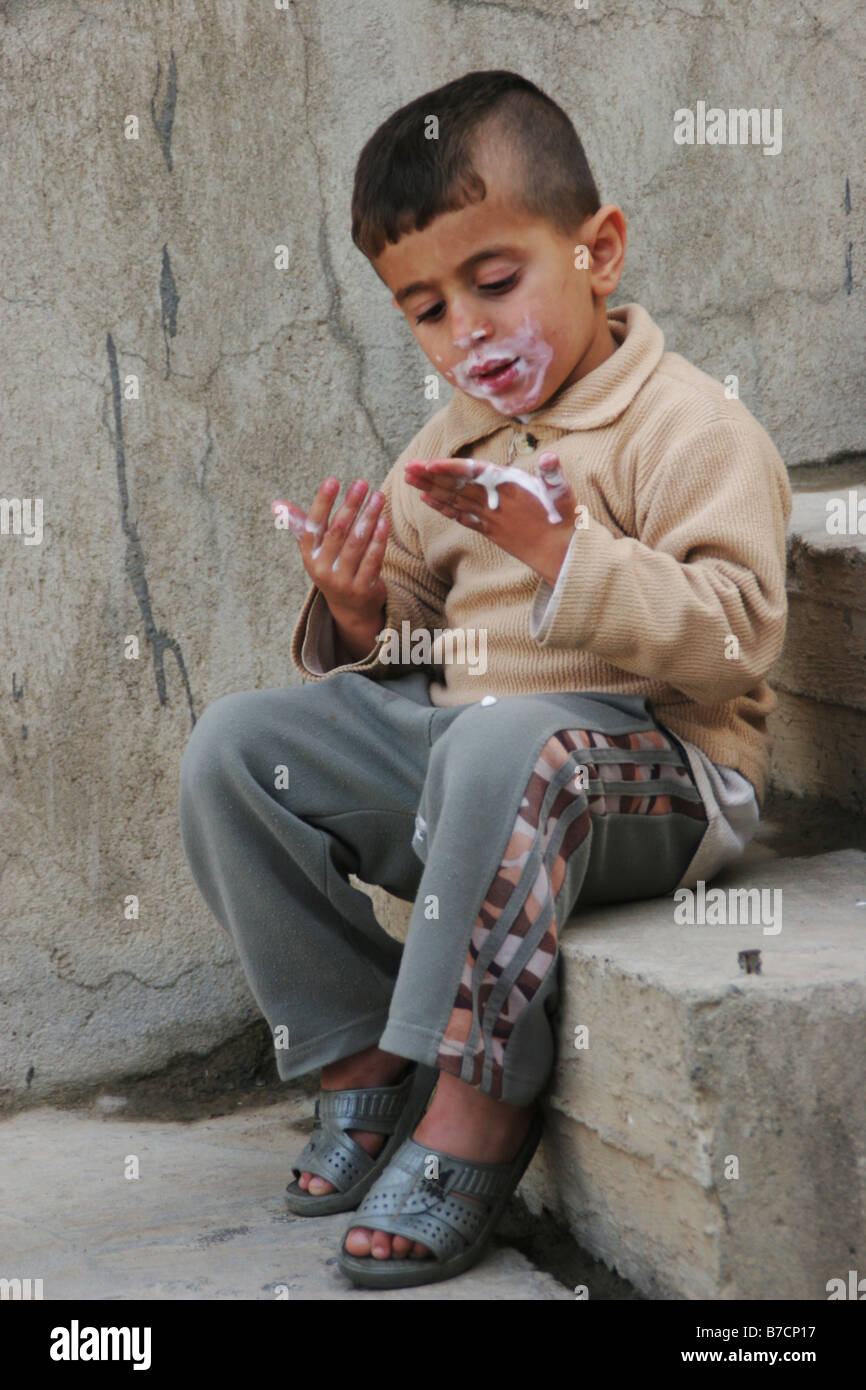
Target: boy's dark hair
x=403 y=179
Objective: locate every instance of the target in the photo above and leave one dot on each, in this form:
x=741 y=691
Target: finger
x=290 y=518
x=367 y=573
x=455 y=482
x=463 y=469
x=358 y=536
x=317 y=517
x=462 y=514
x=332 y=540
x=450 y=465
x=423 y=476
x=433 y=483
x=550 y=469
x=448 y=494
x=460 y=508
x=459 y=474
x=459 y=492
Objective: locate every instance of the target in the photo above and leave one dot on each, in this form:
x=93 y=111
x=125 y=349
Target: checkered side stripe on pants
x=514 y=938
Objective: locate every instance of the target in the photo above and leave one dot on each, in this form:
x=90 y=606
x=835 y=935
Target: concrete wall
x=155 y=258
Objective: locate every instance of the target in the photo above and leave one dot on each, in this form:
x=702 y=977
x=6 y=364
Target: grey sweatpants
x=494 y=818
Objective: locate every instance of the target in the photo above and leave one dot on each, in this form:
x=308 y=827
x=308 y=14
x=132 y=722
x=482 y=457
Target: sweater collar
x=597 y=399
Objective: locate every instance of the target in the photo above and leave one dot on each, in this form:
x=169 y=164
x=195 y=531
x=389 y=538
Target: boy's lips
x=509 y=373
x=497 y=376
x=493 y=364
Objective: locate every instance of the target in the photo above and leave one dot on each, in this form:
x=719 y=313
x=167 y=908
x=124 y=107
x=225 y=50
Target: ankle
x=372 y=1067
x=454 y=1094
x=467 y=1123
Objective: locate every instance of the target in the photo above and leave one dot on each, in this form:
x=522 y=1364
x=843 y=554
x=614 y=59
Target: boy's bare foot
x=372 y=1067
x=461 y=1121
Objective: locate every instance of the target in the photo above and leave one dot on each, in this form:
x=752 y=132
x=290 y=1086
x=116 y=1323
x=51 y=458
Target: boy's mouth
x=511 y=383
x=496 y=374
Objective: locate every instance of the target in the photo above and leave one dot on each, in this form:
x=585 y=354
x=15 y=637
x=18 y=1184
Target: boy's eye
x=500 y=285
x=497 y=286
x=431 y=313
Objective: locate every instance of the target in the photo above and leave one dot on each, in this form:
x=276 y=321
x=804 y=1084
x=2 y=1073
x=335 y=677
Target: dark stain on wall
x=165 y=120
x=849 y=254
x=169 y=299
x=159 y=639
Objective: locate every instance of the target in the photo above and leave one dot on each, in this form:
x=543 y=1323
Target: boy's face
x=494 y=300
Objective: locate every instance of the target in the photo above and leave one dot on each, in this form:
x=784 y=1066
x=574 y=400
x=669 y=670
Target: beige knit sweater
x=674 y=589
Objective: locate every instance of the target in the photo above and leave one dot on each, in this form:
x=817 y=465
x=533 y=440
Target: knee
x=469 y=754
x=218 y=737
x=479 y=732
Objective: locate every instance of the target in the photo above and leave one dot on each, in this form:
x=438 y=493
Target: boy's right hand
x=344 y=558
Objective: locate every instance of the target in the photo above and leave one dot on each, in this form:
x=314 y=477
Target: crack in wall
x=158 y=638
x=205 y=459
x=340 y=328
x=147 y=984
x=585 y=17
x=31 y=303
x=291 y=326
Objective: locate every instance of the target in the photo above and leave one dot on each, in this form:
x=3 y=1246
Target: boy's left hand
x=519 y=524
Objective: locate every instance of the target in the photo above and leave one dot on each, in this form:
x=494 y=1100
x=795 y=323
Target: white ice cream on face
x=493 y=475
x=535 y=356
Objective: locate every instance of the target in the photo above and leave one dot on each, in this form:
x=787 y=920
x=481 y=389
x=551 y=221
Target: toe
x=358 y=1241
x=381 y=1245
x=319 y=1186
x=419 y=1252
x=378 y=1244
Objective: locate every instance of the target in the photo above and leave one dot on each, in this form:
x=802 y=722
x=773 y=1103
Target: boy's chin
x=524 y=412
x=510 y=410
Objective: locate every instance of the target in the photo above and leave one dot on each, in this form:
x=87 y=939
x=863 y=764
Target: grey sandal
x=432 y=1211
x=332 y=1154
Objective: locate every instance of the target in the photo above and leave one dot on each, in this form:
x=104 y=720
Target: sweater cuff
x=567 y=614
x=319 y=652
x=314 y=641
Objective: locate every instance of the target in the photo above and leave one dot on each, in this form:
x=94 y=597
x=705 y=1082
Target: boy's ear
x=605 y=236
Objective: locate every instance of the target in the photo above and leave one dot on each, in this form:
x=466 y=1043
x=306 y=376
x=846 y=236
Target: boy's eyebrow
x=487 y=255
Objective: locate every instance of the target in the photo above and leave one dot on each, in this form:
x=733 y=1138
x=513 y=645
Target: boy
x=614 y=527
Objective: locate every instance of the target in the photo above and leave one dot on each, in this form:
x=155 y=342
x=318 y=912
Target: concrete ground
x=204 y=1219
x=214 y=1137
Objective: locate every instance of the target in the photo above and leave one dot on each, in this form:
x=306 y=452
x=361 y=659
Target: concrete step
x=819 y=724
x=204 y=1219
x=710 y=1140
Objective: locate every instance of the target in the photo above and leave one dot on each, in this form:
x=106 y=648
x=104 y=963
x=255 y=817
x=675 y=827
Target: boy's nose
x=469 y=339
